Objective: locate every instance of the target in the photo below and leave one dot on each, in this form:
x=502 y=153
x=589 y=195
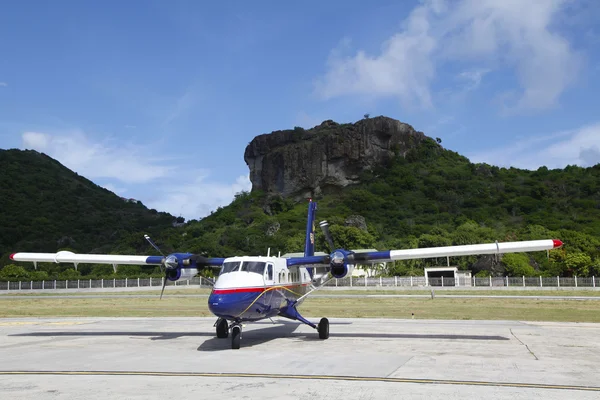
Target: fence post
x=442 y=280
x=77 y=283
x=507 y=281
x=139 y=282
x=102 y=283
x=523 y=280
x=395 y=281
x=593 y=281
x=575 y=280
x=411 y=281
x=558 y=281
x=380 y=281
x=19 y=285
x=90 y=283
x=490 y=281
x=55 y=284
x=126 y=282
x=365 y=280
x=541 y=283
x=150 y=281
x=66 y=283
x=114 y=282
x=351 y=281
x=43 y=284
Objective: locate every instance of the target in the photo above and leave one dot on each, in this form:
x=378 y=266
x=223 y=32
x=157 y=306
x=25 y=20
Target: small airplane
x=252 y=288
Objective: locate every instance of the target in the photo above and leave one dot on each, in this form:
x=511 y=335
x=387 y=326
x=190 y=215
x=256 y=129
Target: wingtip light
x=12 y=255
x=557 y=243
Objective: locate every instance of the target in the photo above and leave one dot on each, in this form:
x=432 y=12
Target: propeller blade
x=152 y=244
x=163 y=287
x=200 y=260
x=325 y=228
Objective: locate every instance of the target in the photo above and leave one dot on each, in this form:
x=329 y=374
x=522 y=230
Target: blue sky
x=157 y=100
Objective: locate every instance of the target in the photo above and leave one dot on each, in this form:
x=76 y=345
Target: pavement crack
x=400 y=366
x=527 y=347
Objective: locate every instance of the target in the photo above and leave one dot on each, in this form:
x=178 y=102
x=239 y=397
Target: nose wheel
x=236 y=336
x=222 y=328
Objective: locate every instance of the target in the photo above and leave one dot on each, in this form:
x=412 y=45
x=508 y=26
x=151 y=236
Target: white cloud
x=3 y=84
x=579 y=147
x=198 y=198
x=125 y=163
x=403 y=69
x=482 y=34
x=159 y=183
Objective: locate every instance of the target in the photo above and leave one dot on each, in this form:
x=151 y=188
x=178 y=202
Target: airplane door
x=269 y=278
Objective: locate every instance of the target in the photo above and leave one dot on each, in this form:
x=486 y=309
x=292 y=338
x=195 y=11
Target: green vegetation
x=428 y=197
x=440 y=308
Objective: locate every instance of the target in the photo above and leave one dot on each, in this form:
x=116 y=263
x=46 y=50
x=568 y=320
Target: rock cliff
x=302 y=163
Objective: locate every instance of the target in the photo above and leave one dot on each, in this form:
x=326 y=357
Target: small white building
x=451 y=275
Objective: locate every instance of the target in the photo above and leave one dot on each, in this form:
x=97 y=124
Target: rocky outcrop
x=303 y=163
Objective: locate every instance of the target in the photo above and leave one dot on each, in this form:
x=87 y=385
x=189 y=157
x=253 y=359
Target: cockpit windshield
x=229 y=267
x=254 y=266
x=248 y=266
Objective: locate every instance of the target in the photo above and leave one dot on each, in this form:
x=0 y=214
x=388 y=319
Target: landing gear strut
x=292 y=313
x=222 y=328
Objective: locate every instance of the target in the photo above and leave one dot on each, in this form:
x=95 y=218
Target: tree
x=367 y=116
x=437 y=139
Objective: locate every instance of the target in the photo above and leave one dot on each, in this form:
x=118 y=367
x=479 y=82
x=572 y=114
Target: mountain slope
x=45 y=207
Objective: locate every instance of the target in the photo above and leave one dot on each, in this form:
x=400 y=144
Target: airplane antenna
x=269 y=252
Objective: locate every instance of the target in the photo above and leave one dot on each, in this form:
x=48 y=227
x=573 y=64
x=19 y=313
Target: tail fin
x=309 y=241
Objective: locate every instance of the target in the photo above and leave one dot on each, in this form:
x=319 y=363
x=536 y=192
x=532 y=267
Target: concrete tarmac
x=158 y=358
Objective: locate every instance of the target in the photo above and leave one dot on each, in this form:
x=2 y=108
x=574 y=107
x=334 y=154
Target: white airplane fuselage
x=253 y=288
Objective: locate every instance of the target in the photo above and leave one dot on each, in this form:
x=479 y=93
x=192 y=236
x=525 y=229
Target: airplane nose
x=230 y=305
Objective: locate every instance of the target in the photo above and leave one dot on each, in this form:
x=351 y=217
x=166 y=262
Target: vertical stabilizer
x=309 y=241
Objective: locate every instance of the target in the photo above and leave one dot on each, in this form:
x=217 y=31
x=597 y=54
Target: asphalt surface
x=157 y=358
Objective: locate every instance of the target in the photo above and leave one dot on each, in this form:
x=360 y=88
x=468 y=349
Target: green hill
x=431 y=197
x=428 y=196
x=45 y=207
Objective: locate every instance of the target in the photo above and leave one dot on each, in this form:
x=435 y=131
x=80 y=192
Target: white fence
x=399 y=281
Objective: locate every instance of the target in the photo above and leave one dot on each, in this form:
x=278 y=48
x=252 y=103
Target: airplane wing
x=342 y=261
x=70 y=257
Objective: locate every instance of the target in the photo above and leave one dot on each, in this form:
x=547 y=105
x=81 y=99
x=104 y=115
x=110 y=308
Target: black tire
x=323 y=328
x=222 y=328
x=236 y=334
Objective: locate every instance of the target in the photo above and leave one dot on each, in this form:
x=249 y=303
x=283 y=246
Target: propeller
x=168 y=263
x=325 y=228
x=339 y=257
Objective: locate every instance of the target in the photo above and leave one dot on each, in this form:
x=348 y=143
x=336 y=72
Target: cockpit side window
x=229 y=267
x=254 y=266
x=270 y=272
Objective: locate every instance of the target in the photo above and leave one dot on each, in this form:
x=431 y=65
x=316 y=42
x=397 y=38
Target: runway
x=154 y=358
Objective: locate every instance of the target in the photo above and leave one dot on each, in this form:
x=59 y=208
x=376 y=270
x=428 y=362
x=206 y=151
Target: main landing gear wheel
x=236 y=335
x=323 y=328
x=222 y=328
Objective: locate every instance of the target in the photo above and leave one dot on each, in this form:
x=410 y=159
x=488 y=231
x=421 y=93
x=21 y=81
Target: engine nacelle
x=181 y=274
x=341 y=271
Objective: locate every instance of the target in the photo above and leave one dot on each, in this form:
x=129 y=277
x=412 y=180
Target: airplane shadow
x=153 y=335
x=257 y=337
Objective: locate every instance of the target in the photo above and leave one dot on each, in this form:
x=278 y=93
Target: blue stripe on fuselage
x=154 y=260
x=244 y=305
